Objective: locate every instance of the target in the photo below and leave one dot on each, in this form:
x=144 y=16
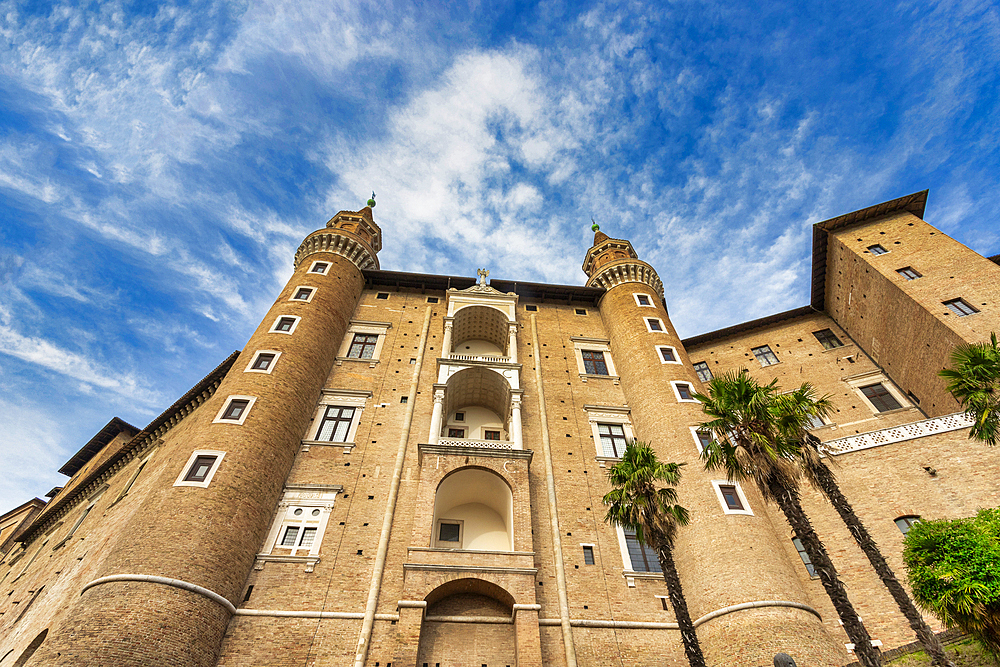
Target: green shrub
x=954 y=569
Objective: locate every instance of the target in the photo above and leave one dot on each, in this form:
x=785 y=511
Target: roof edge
x=743 y=327
x=106 y=434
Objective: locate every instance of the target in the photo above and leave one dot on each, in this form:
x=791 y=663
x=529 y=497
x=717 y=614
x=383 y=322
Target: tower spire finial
x=371 y=202
x=594 y=227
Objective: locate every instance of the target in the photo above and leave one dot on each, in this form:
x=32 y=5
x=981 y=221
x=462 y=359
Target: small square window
x=668 y=355
x=643 y=300
x=263 y=361
x=828 y=339
x=303 y=294
x=683 y=391
x=654 y=324
x=198 y=472
x=580 y=311
x=531 y=308
x=588 y=555
x=877 y=249
x=285 y=324
x=382 y=295
x=491 y=435
x=703 y=371
x=960 y=307
x=449 y=532
x=432 y=299
x=730 y=496
x=319 y=267
x=404 y=399
x=456 y=432
x=460 y=416
x=765 y=356
x=703 y=438
x=235 y=409
x=909 y=273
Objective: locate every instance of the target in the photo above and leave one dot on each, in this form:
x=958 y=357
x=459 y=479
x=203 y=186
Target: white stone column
x=515 y=421
x=449 y=322
x=437 y=415
x=512 y=342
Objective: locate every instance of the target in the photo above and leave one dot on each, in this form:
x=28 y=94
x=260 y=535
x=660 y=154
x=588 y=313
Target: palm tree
x=643 y=500
x=974 y=380
x=760 y=444
x=803 y=402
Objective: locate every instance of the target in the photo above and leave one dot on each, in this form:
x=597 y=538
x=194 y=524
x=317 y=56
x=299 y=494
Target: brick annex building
x=404 y=469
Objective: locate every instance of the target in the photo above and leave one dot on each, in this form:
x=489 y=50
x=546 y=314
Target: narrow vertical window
x=588 y=555
x=804 y=556
x=704 y=439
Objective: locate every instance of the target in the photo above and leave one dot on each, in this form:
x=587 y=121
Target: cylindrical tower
x=725 y=557
x=168 y=584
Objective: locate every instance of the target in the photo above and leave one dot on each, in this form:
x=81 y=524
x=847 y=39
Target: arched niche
x=464 y=612
x=481 y=329
x=473 y=510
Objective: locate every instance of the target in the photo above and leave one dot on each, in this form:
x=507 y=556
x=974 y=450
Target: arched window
x=904 y=522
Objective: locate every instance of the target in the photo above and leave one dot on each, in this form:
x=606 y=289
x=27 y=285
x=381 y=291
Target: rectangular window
x=908 y=272
x=880 y=398
x=877 y=249
x=643 y=300
x=491 y=435
x=456 y=432
x=336 y=424
x=828 y=339
x=683 y=391
x=449 y=532
x=263 y=361
x=765 y=356
x=363 y=346
x=460 y=416
x=960 y=307
x=382 y=295
x=593 y=362
x=904 y=523
x=285 y=324
x=732 y=498
x=235 y=409
x=432 y=299
x=704 y=439
x=200 y=469
x=580 y=311
x=815 y=422
x=302 y=294
x=613 y=439
x=667 y=354
x=654 y=324
x=531 y=308
x=804 y=556
x=319 y=267
x=642 y=556
x=703 y=371
x=588 y=555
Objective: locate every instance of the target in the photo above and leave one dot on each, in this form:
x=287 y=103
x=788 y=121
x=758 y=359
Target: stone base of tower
x=135 y=623
x=753 y=637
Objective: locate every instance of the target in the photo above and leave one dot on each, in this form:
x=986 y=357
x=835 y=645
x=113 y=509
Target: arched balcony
x=477 y=407
x=473 y=511
x=480 y=333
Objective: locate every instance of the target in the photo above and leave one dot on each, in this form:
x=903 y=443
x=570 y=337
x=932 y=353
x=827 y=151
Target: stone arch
x=481 y=504
x=486 y=325
x=32 y=647
x=466 y=618
x=478 y=386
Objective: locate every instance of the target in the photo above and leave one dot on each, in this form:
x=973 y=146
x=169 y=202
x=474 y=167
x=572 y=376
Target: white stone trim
x=593 y=345
x=312 y=293
x=856 y=382
x=312 y=267
x=306 y=499
x=649 y=297
x=190 y=462
x=253 y=360
x=601 y=414
x=677 y=393
x=295 y=324
x=888 y=436
x=694 y=435
x=716 y=483
x=176 y=583
x=650 y=329
x=243 y=417
x=379 y=329
x=659 y=354
x=341 y=397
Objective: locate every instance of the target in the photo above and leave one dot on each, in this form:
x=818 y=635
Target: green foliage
x=643 y=498
x=954 y=570
x=974 y=380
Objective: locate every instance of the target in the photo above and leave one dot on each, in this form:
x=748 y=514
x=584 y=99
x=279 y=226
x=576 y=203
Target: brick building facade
x=404 y=469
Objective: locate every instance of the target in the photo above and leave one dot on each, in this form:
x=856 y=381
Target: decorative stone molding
x=309 y=561
x=626 y=271
x=165 y=581
x=337 y=243
x=888 y=436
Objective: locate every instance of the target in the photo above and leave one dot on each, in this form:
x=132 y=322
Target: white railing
x=479 y=357
x=887 y=436
x=465 y=442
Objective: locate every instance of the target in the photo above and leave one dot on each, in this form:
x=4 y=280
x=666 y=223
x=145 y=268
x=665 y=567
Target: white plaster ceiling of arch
x=478 y=386
x=481 y=323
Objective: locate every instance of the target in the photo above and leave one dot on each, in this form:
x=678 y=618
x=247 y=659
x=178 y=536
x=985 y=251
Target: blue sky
x=160 y=163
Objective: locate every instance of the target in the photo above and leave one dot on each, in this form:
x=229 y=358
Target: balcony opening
x=473 y=511
x=480 y=333
x=477 y=409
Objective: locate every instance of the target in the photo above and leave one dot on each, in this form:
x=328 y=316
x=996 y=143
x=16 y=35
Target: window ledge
x=838 y=348
x=895 y=411
x=587 y=376
x=371 y=362
x=348 y=446
x=631 y=574
x=309 y=561
x=605 y=460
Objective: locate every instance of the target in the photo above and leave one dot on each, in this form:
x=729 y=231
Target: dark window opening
x=703 y=371
x=198 y=472
x=593 y=362
x=828 y=339
x=262 y=362
x=235 y=409
x=336 y=424
x=642 y=556
x=880 y=398
x=588 y=555
x=363 y=346
x=765 y=356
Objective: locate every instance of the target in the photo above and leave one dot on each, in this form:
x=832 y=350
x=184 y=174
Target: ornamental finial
x=371 y=202
x=594 y=227
x=483 y=275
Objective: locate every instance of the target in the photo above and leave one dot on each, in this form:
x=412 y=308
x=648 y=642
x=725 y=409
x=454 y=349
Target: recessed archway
x=483 y=329
x=473 y=510
x=468 y=621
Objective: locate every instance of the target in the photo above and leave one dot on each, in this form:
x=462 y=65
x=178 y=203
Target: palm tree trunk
x=791 y=506
x=840 y=503
x=692 y=649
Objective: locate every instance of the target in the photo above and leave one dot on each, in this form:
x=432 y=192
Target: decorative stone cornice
x=626 y=271
x=894 y=434
x=340 y=243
